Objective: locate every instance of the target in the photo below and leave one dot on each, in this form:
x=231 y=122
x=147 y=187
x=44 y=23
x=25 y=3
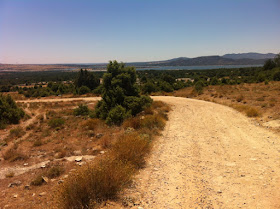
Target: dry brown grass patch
x=93 y=184
x=13 y=155
x=133 y=123
x=132 y=148
x=10 y=174
x=17 y=132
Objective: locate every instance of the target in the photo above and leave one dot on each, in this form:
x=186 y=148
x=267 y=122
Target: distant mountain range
x=251 y=55
x=227 y=59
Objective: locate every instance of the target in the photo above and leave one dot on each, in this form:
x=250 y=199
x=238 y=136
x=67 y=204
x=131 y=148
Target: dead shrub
x=54 y=171
x=158 y=104
x=134 y=122
x=105 y=141
x=92 y=124
x=30 y=127
x=17 y=132
x=37 y=143
x=93 y=184
x=249 y=111
x=153 y=121
x=9 y=175
x=252 y=112
x=38 y=180
x=239 y=98
x=132 y=148
x=13 y=155
x=149 y=111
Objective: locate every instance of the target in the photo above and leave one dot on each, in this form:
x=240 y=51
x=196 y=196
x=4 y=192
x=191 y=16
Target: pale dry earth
x=209 y=156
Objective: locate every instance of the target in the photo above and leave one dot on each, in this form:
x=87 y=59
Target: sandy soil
x=210 y=156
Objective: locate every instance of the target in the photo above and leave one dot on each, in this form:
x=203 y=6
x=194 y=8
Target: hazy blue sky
x=76 y=31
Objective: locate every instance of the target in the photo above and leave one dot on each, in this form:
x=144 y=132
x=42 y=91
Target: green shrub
x=149 y=87
x=198 y=87
x=81 y=110
x=10 y=113
x=165 y=86
x=120 y=95
x=56 y=122
x=117 y=115
x=276 y=76
x=136 y=104
x=84 y=90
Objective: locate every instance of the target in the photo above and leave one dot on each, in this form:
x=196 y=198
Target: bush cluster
x=120 y=96
x=56 y=123
x=81 y=110
x=10 y=113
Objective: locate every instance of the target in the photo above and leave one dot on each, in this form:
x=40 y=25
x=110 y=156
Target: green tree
x=87 y=79
x=269 y=64
x=120 y=96
x=149 y=87
x=84 y=90
x=9 y=111
x=198 y=87
x=277 y=60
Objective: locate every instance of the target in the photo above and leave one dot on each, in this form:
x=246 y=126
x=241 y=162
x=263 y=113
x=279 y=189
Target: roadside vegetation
x=104 y=178
x=121 y=97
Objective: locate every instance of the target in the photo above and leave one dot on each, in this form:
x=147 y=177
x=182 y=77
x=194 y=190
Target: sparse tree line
x=147 y=81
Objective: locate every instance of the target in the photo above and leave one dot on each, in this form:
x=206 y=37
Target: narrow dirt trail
x=210 y=156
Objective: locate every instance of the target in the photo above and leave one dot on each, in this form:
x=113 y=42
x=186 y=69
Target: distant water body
x=206 y=67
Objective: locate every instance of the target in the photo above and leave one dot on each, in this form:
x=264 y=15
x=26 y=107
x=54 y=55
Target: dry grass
x=54 y=171
x=106 y=141
x=133 y=123
x=132 y=148
x=249 y=111
x=93 y=184
x=92 y=124
x=38 y=180
x=252 y=112
x=261 y=100
x=153 y=122
x=9 y=175
x=13 y=155
x=17 y=132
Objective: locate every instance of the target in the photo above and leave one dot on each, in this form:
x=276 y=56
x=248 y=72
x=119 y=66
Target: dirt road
x=210 y=156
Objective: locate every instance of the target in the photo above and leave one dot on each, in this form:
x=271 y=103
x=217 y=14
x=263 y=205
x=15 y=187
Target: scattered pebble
x=42 y=194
